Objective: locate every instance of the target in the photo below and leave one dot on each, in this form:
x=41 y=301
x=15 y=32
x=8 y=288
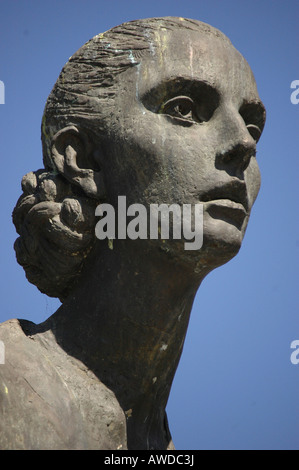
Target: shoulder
x=17 y=347
x=28 y=406
x=48 y=400
x=11 y=329
x=37 y=409
x=14 y=342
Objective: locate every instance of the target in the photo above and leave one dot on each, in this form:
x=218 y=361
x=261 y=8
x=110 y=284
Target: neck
x=127 y=322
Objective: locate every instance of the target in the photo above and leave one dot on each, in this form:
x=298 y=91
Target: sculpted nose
x=238 y=144
x=238 y=156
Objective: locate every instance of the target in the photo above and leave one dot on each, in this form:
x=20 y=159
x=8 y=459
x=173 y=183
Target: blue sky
x=235 y=386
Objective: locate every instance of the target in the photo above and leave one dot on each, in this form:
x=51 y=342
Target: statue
x=162 y=110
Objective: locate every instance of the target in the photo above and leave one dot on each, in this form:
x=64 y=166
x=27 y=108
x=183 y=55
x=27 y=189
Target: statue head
x=161 y=110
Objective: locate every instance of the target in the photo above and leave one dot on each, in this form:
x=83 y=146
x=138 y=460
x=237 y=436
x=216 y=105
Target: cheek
x=253 y=181
x=157 y=161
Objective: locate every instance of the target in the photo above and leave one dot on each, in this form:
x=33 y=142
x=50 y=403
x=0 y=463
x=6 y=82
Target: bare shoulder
x=11 y=329
x=14 y=342
x=17 y=347
x=27 y=403
x=50 y=401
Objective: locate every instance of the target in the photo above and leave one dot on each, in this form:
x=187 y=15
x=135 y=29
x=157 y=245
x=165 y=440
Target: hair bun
x=56 y=229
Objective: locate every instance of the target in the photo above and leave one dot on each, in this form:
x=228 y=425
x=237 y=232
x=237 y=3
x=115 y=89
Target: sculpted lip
x=234 y=193
x=227 y=210
x=227 y=202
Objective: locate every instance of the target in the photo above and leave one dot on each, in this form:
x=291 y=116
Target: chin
x=219 y=246
x=222 y=241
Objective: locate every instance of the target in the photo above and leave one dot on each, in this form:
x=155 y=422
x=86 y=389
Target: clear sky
x=235 y=387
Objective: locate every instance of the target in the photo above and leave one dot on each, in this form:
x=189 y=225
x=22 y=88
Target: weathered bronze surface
x=162 y=110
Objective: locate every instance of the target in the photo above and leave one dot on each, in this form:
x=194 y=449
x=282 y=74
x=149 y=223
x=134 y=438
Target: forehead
x=198 y=56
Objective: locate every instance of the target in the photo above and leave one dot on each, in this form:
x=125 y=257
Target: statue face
x=187 y=120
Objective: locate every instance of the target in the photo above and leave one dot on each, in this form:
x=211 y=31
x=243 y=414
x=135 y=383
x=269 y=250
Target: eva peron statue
x=162 y=110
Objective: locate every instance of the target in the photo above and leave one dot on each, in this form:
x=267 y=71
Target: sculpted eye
x=186 y=100
x=254 y=116
x=181 y=107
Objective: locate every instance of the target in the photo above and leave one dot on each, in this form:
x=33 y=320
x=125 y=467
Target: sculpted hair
x=87 y=85
x=55 y=218
x=56 y=228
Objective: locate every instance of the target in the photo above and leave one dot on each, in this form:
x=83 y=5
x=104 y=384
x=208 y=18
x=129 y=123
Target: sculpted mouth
x=228 y=202
x=234 y=194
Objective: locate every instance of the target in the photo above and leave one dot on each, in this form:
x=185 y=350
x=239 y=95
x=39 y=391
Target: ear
x=73 y=155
